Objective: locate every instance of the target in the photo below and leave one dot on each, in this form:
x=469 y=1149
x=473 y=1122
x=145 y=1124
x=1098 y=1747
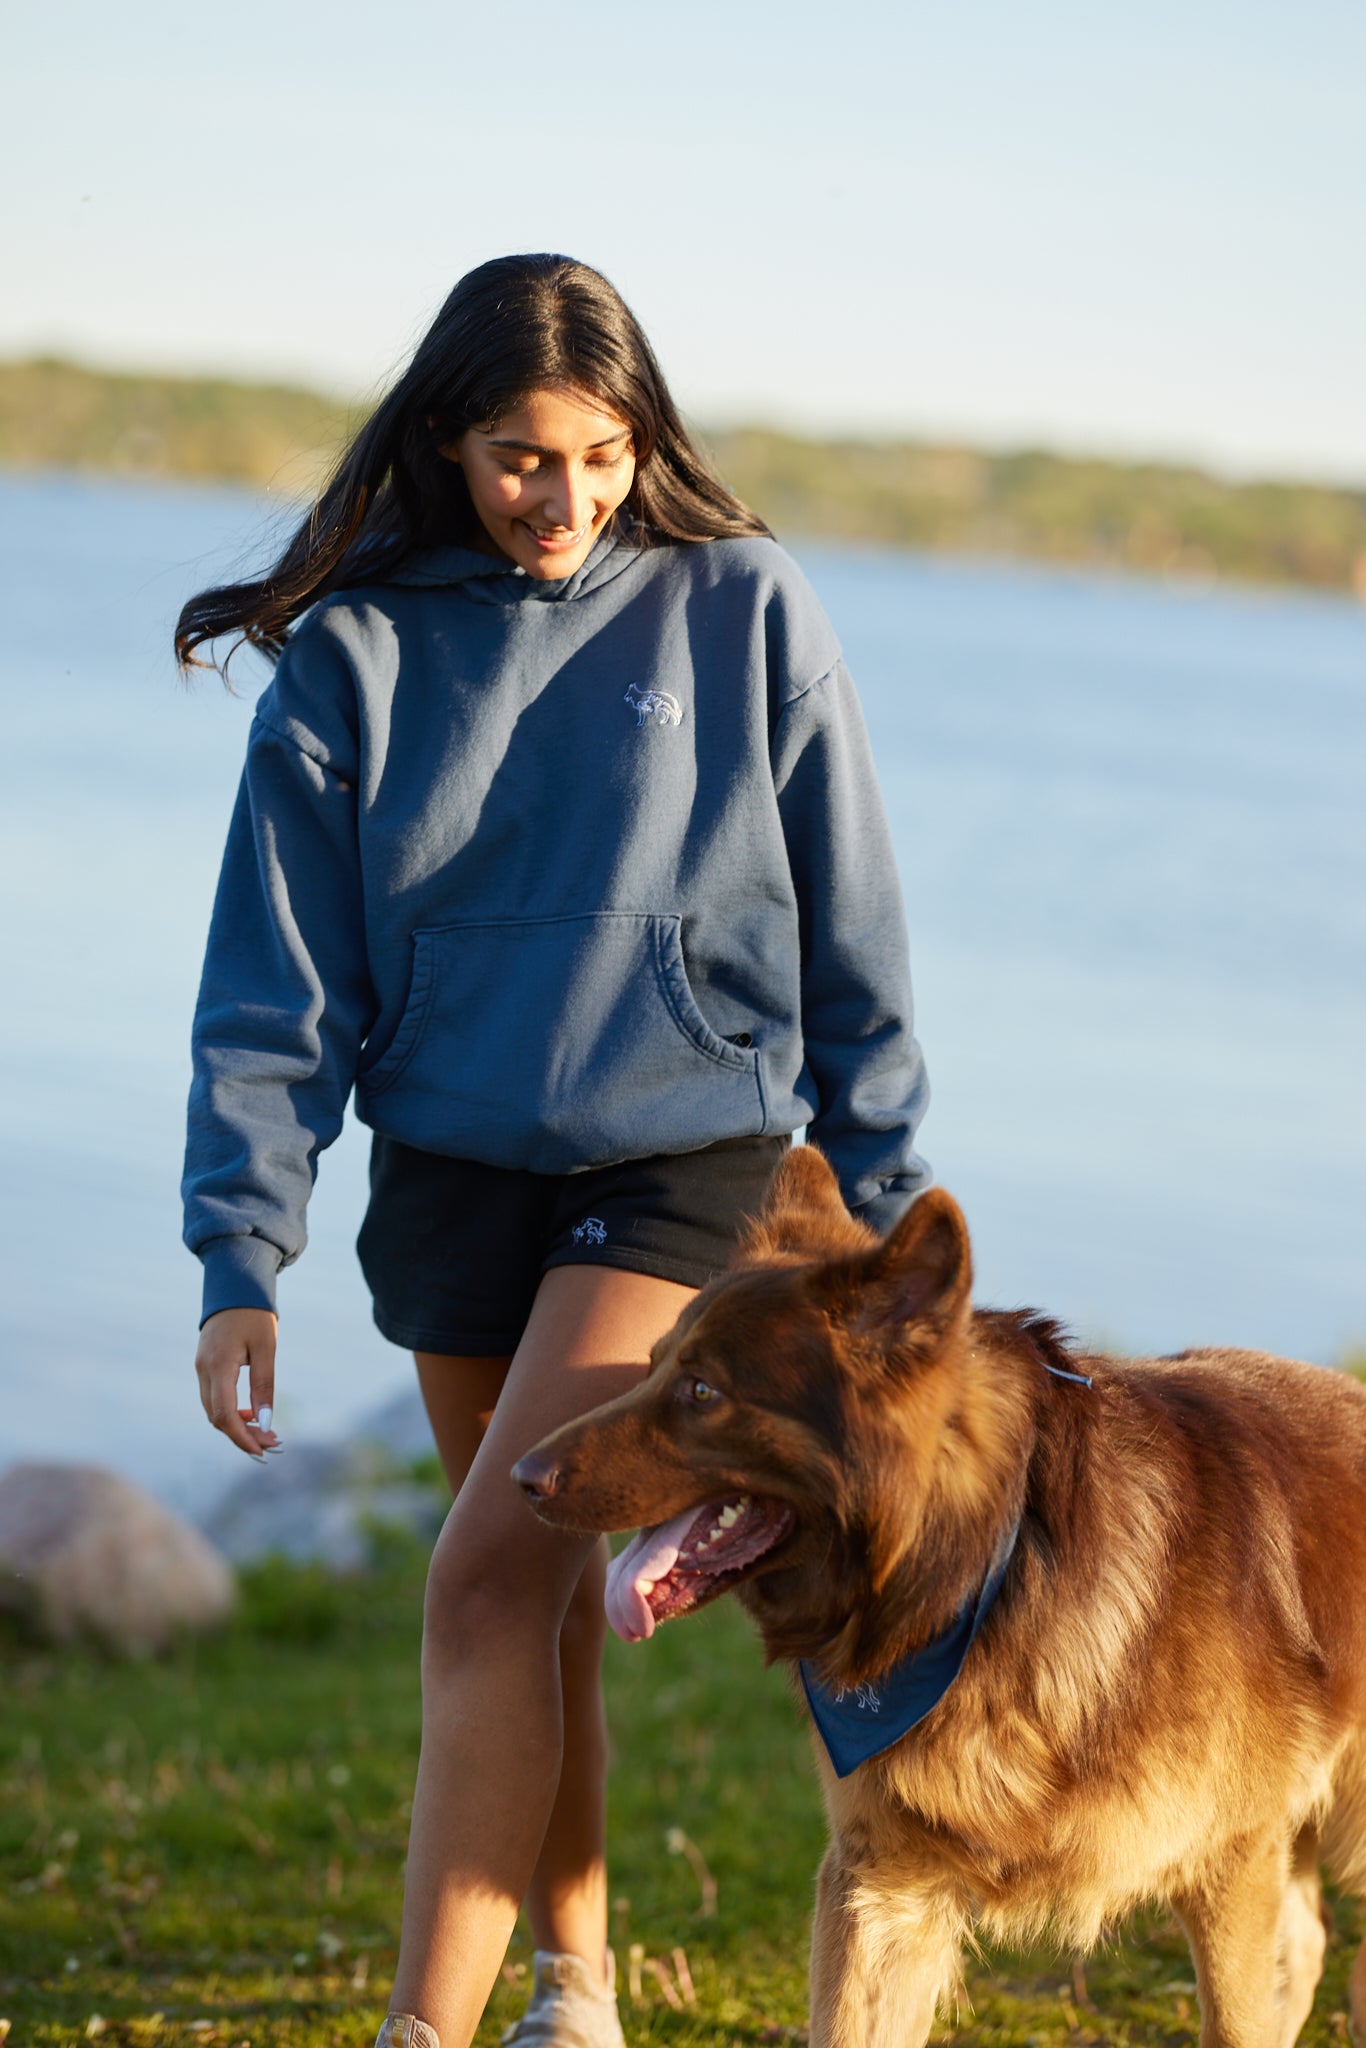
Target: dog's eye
x=700 y=1393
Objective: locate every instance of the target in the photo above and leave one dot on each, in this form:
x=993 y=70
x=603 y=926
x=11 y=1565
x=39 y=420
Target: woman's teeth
x=560 y=538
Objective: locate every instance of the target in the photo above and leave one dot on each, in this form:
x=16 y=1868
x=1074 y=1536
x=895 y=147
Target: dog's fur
x=1168 y=1700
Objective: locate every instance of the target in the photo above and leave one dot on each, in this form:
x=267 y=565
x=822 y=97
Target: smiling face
x=546 y=478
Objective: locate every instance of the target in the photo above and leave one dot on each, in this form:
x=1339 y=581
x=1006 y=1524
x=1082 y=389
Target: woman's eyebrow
x=535 y=448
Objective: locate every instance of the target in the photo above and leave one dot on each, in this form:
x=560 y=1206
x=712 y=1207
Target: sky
x=1122 y=229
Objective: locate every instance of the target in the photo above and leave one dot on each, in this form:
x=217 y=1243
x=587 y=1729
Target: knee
x=482 y=1595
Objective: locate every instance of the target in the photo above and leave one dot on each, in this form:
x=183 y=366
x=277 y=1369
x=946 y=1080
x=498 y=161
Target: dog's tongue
x=632 y=1575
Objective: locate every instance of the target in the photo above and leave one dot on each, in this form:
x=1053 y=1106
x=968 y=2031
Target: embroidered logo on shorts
x=661 y=705
x=591 y=1231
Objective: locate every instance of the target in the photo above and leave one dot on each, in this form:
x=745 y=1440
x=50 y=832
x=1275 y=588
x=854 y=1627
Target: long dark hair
x=513 y=326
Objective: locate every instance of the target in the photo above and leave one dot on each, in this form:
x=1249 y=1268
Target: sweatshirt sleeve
x=856 y=989
x=284 y=1005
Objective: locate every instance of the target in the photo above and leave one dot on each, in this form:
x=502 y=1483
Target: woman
x=559 y=840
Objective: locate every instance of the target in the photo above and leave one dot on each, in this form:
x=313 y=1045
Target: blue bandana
x=860 y=1721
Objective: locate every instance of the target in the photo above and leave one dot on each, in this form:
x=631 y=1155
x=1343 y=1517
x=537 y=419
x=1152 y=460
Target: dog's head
x=798 y=1425
x=801 y=1432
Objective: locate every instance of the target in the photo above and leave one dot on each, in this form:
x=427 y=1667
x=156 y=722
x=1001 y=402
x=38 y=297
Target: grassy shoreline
x=208 y=1849
x=1029 y=504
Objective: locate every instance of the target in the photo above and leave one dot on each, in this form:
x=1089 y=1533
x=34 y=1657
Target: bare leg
x=498 y=1592
x=567 y=1899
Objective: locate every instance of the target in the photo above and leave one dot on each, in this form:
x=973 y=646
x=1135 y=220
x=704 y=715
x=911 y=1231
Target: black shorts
x=453 y=1252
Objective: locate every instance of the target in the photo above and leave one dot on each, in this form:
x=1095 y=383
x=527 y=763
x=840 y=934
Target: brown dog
x=1167 y=1699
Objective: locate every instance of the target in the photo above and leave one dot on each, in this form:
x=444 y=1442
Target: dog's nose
x=537 y=1475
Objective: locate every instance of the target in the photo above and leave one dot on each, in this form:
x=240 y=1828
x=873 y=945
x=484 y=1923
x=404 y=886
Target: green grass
x=208 y=1849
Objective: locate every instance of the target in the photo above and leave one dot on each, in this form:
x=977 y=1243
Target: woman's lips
x=554 y=543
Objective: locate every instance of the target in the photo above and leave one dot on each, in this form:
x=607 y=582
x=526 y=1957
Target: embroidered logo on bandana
x=661 y=705
x=591 y=1231
x=865 y=1697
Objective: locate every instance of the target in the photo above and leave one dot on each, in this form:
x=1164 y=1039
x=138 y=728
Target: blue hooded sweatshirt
x=554 y=874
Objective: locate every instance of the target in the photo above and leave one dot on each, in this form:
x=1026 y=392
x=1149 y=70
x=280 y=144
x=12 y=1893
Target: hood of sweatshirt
x=489 y=579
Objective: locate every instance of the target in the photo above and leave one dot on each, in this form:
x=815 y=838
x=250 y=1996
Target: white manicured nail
x=263 y=1416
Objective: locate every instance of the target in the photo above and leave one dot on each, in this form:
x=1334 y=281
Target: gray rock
x=400 y=1427
x=322 y=1503
x=83 y=1552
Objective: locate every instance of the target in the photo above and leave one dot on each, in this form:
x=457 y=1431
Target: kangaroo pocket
x=556 y=1043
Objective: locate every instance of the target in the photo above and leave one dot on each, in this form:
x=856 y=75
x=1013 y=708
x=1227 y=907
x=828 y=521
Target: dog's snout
x=537 y=1475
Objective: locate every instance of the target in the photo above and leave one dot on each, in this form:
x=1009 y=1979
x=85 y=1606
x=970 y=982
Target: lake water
x=1131 y=825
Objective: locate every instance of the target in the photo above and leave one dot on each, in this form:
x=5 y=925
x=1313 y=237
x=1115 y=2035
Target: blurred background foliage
x=1152 y=518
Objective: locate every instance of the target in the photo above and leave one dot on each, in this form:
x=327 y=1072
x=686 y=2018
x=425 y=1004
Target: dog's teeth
x=730 y=1516
x=715 y=1533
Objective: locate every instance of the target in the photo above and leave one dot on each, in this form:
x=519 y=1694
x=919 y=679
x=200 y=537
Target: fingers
x=261 y=1438
x=230 y=1341
x=261 y=1387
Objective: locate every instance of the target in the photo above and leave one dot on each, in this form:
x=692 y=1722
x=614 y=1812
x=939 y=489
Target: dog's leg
x=1235 y=1922
x=883 y=1958
x=1357 y=1995
x=1345 y=1855
x=1303 y=1936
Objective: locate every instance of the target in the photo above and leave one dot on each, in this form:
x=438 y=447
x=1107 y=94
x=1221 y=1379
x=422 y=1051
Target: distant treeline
x=1150 y=517
x=56 y=415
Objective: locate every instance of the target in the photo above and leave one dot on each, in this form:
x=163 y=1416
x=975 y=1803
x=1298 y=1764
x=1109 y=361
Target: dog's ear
x=918 y=1282
x=803 y=1212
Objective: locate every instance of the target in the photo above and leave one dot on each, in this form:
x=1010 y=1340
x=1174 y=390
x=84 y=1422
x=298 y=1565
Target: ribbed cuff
x=887 y=1208
x=239 y=1272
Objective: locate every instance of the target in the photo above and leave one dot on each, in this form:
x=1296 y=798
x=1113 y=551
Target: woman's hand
x=234 y=1338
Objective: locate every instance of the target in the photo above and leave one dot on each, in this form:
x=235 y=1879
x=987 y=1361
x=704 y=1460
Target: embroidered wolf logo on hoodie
x=658 y=704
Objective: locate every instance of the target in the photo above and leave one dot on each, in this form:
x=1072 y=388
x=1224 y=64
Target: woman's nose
x=566 y=502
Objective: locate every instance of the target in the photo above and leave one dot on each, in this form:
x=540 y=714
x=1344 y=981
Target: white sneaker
x=401 y=2030
x=567 y=2009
